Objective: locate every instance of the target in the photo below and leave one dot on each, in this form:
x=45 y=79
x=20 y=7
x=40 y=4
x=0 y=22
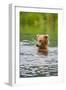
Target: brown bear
x=42 y=44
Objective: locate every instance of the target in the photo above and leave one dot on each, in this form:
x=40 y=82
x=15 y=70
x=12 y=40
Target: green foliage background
x=32 y=23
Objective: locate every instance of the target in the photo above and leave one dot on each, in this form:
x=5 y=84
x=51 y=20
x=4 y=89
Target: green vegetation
x=32 y=23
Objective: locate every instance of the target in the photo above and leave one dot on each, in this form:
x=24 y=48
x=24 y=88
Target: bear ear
x=37 y=36
x=46 y=36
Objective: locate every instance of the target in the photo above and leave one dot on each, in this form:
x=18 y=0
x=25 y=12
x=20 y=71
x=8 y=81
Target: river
x=34 y=64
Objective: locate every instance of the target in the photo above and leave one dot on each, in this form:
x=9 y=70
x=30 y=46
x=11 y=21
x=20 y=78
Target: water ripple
x=33 y=64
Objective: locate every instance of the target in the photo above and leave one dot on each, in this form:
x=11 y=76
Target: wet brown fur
x=43 y=47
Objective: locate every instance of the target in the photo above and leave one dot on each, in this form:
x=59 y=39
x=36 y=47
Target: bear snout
x=37 y=45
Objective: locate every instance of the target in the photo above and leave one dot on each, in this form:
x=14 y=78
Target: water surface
x=34 y=64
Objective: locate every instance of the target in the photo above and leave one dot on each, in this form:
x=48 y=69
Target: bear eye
x=40 y=40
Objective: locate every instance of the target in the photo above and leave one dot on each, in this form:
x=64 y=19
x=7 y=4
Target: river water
x=34 y=64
